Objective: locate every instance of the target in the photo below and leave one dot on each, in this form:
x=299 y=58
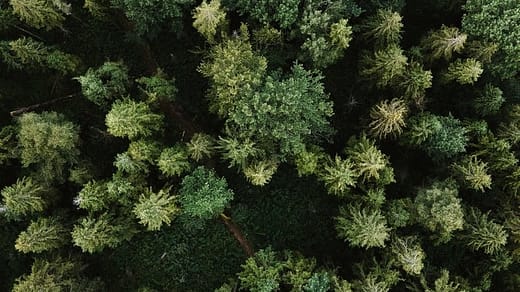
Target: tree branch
x=33 y=107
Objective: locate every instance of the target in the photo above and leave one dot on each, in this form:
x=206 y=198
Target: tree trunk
x=40 y=105
x=242 y=240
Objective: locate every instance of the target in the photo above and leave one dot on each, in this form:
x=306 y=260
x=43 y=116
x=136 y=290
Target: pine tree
x=128 y=165
x=409 y=254
x=157 y=87
x=95 y=234
x=208 y=17
x=234 y=70
x=474 y=173
x=237 y=152
x=144 y=150
x=444 y=42
x=483 y=233
x=203 y=194
x=173 y=161
x=200 y=146
x=339 y=175
x=308 y=161
x=42 y=235
x=155 y=209
x=46 y=14
x=384 y=27
x=131 y=119
x=362 y=227
x=439 y=209
x=94 y=197
x=49 y=142
x=489 y=100
x=259 y=173
x=415 y=81
x=261 y=272
x=23 y=198
x=56 y=275
x=464 y=71
x=384 y=66
x=369 y=162
x=388 y=118
x=105 y=84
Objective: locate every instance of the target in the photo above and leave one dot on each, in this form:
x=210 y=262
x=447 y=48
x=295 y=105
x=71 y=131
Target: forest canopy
x=268 y=145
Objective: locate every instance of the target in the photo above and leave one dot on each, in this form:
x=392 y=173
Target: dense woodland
x=260 y=145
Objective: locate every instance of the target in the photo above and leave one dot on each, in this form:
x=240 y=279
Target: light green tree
x=414 y=82
x=259 y=173
x=409 y=254
x=238 y=152
x=483 y=233
x=384 y=28
x=388 y=118
x=439 y=209
x=203 y=194
x=262 y=272
x=474 y=173
x=48 y=142
x=132 y=119
x=42 y=235
x=173 y=161
x=234 y=70
x=339 y=176
x=46 y=14
x=105 y=84
x=362 y=227
x=369 y=161
x=23 y=198
x=95 y=234
x=443 y=43
x=464 y=71
x=207 y=17
x=155 y=209
x=384 y=66
x=200 y=146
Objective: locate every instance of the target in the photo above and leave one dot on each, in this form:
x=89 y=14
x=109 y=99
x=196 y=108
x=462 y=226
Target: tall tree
x=46 y=14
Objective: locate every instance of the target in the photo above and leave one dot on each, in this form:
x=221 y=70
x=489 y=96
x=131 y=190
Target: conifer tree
x=339 y=176
x=200 y=146
x=483 y=233
x=261 y=272
x=173 y=161
x=95 y=234
x=369 y=162
x=42 y=235
x=203 y=194
x=49 y=142
x=94 y=196
x=131 y=119
x=474 y=173
x=414 y=82
x=105 y=84
x=155 y=209
x=444 y=42
x=23 y=198
x=409 y=254
x=439 y=209
x=489 y=100
x=237 y=152
x=259 y=173
x=388 y=118
x=234 y=70
x=362 y=227
x=384 y=66
x=308 y=161
x=46 y=14
x=384 y=27
x=158 y=87
x=464 y=71
x=208 y=16
x=144 y=150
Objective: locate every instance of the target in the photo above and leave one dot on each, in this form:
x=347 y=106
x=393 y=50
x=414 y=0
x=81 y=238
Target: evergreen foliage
x=201 y=146
x=384 y=66
x=483 y=233
x=131 y=119
x=439 y=209
x=46 y=14
x=173 y=161
x=203 y=194
x=388 y=118
x=464 y=71
x=105 y=84
x=155 y=209
x=208 y=16
x=384 y=27
x=362 y=227
x=339 y=175
x=443 y=43
x=42 y=235
x=48 y=142
x=489 y=100
x=473 y=173
x=23 y=198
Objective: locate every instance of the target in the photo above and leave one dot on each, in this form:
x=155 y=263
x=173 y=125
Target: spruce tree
x=23 y=198
x=362 y=227
x=208 y=16
x=384 y=66
x=155 y=209
x=388 y=118
x=45 y=14
x=132 y=119
x=42 y=235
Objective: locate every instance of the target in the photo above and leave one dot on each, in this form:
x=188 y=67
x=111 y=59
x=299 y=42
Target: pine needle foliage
x=259 y=173
x=203 y=194
x=483 y=233
x=105 y=84
x=474 y=173
x=443 y=43
x=362 y=227
x=384 y=66
x=388 y=118
x=384 y=28
x=339 y=176
x=173 y=161
x=207 y=18
x=132 y=119
x=47 y=14
x=489 y=101
x=368 y=160
x=155 y=209
x=23 y=198
x=464 y=71
x=42 y=235
x=201 y=146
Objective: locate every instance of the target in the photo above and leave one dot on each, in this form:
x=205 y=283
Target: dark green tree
x=105 y=84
